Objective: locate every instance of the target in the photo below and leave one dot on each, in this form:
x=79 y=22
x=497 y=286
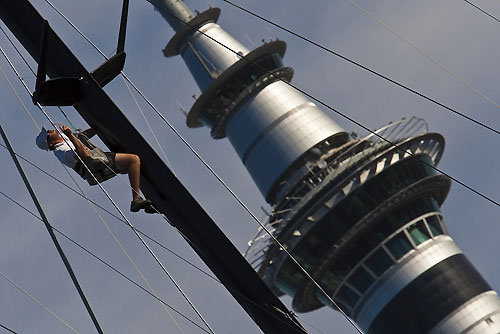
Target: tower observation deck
x=361 y=215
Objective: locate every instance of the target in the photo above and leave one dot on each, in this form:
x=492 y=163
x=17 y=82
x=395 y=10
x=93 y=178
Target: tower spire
x=174 y=11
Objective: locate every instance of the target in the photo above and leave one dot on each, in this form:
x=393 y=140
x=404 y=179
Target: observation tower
x=361 y=215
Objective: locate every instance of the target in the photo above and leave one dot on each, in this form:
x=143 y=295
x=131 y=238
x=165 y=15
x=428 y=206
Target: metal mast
x=158 y=183
x=360 y=215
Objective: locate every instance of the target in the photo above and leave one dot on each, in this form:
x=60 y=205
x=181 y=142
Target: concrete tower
x=359 y=214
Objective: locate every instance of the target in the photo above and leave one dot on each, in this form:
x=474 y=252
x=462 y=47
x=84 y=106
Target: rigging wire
x=90 y=203
x=53 y=237
x=27 y=294
x=334 y=110
x=103 y=262
x=106 y=210
x=435 y=61
x=380 y=75
x=19 y=98
x=42 y=109
x=350 y=119
x=149 y=126
x=115 y=238
x=32 y=71
x=353 y=121
x=482 y=10
x=291 y=85
x=128 y=278
x=8 y=329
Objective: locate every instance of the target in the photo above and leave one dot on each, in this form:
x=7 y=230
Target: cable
x=149 y=126
x=67 y=118
x=126 y=277
x=26 y=293
x=42 y=109
x=27 y=64
x=132 y=281
x=345 y=116
x=449 y=71
x=362 y=126
x=324 y=48
x=115 y=238
x=348 y=118
x=8 y=329
x=56 y=243
x=485 y=12
x=102 y=261
x=19 y=98
x=110 y=213
x=338 y=112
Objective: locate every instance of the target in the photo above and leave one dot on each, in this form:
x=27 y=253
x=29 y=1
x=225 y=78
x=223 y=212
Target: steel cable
x=113 y=202
x=103 y=262
x=334 y=110
x=324 y=48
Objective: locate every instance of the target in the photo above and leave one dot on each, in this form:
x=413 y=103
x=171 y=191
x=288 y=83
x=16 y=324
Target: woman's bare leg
x=131 y=165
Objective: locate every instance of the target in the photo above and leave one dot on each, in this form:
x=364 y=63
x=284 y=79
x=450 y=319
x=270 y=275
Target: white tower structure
x=362 y=216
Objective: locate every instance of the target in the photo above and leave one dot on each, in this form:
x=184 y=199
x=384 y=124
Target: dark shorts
x=112 y=164
x=96 y=164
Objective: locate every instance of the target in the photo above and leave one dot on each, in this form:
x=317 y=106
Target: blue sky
x=451 y=31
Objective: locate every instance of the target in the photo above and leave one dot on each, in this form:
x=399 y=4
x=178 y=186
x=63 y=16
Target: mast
x=158 y=183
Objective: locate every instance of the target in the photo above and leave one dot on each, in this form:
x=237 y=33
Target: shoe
x=151 y=209
x=139 y=203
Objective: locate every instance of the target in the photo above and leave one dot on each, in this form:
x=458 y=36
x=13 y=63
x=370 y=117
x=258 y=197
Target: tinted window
x=379 y=262
x=399 y=245
x=418 y=232
x=434 y=225
x=348 y=295
x=361 y=280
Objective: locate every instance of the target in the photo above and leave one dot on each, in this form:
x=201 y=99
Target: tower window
x=418 y=232
x=399 y=245
x=361 y=279
x=379 y=262
x=434 y=225
x=348 y=295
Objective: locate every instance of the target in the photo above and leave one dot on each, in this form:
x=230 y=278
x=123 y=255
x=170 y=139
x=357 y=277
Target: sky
x=452 y=32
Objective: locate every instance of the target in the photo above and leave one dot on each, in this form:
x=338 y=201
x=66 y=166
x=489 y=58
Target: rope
x=25 y=62
x=110 y=213
x=324 y=48
x=8 y=329
x=56 y=243
x=129 y=279
x=121 y=247
x=337 y=112
x=349 y=119
x=114 y=204
x=449 y=71
x=485 y=12
x=123 y=76
x=253 y=216
x=19 y=98
x=102 y=261
x=26 y=293
x=32 y=71
x=149 y=126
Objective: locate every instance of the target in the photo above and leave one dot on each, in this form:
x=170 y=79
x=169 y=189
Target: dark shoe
x=151 y=209
x=139 y=203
